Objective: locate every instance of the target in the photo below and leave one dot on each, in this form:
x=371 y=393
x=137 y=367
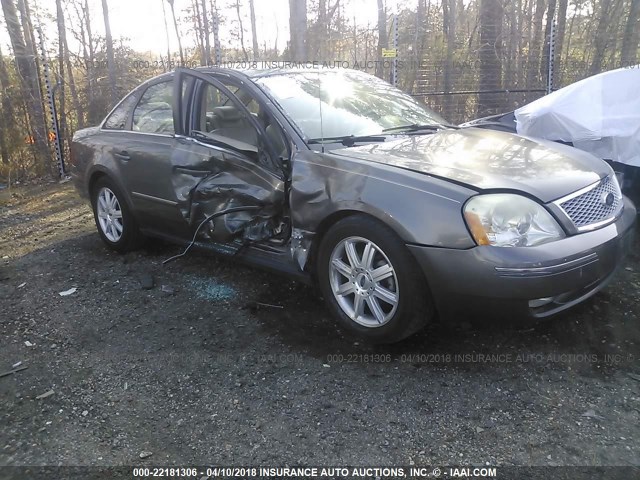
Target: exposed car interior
x=221 y=119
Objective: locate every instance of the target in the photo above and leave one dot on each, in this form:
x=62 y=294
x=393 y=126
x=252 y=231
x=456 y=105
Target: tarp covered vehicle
x=600 y=115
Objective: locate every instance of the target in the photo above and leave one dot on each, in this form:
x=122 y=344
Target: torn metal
x=300 y=246
x=214 y=185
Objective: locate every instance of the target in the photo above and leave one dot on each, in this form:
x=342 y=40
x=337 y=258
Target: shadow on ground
x=203 y=361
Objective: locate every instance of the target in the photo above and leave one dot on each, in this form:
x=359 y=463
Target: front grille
x=595 y=205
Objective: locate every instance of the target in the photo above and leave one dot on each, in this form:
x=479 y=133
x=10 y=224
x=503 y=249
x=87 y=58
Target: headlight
x=508 y=220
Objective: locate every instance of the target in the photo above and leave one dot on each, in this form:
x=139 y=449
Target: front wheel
x=115 y=222
x=371 y=282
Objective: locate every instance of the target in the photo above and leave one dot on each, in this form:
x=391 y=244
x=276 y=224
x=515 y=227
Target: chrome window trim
x=154 y=199
x=164 y=135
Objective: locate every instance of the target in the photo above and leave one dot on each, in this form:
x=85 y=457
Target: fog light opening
x=540 y=302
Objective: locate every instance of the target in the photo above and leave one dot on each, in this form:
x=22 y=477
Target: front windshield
x=352 y=103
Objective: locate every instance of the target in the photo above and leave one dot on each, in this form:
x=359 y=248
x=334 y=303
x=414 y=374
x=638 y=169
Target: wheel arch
x=100 y=172
x=421 y=307
x=334 y=217
x=93 y=179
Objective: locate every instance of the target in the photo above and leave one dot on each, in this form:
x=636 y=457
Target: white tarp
x=600 y=114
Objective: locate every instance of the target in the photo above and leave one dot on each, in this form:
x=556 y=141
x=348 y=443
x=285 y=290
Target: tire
x=115 y=223
x=384 y=299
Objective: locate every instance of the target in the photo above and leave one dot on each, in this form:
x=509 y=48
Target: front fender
x=421 y=209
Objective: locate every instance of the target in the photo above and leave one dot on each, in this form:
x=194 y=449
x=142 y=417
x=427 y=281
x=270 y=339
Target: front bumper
x=527 y=282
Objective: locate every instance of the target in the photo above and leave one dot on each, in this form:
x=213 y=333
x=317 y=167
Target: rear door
x=147 y=159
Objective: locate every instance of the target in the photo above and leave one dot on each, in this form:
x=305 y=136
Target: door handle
x=123 y=155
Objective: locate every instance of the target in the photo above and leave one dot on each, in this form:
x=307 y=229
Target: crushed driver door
x=228 y=187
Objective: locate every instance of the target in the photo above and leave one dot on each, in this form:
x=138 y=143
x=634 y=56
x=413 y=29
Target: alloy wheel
x=109 y=215
x=363 y=282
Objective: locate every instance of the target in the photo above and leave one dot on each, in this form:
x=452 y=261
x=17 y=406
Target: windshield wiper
x=348 y=140
x=416 y=127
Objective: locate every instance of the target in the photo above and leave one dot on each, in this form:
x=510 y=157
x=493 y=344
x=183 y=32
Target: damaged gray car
x=339 y=179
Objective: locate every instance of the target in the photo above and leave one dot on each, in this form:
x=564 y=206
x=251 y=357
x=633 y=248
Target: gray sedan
x=337 y=178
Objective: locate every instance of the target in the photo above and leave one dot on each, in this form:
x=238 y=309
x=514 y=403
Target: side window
x=219 y=117
x=253 y=106
x=274 y=133
x=154 y=113
x=118 y=118
x=245 y=97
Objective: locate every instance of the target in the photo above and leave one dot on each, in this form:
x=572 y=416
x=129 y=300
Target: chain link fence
x=463 y=101
x=452 y=84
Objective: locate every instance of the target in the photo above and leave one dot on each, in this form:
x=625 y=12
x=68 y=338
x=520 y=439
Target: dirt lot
x=193 y=373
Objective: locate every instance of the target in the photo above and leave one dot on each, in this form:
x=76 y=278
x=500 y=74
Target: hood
x=489 y=160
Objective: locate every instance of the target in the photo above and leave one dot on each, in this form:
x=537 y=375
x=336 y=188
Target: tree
x=110 y=59
x=166 y=33
x=449 y=27
x=419 y=37
x=383 y=39
x=601 y=37
x=175 y=26
x=32 y=50
x=321 y=30
x=205 y=24
x=215 y=16
x=513 y=44
x=535 y=46
x=628 y=55
x=254 y=35
x=501 y=52
x=199 y=30
x=71 y=82
x=88 y=54
x=562 y=26
x=7 y=111
x=490 y=62
x=27 y=70
x=298 y=29
x=241 y=32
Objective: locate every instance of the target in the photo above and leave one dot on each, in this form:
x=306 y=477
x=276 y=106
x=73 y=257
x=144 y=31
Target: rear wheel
x=371 y=282
x=116 y=225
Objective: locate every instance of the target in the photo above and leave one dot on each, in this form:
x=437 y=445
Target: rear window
x=154 y=113
x=119 y=117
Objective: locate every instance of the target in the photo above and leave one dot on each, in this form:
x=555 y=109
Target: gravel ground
x=216 y=363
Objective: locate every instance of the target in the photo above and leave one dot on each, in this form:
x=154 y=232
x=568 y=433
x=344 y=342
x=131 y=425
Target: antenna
x=320 y=100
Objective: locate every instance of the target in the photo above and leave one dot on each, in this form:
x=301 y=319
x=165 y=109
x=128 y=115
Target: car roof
x=255 y=73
